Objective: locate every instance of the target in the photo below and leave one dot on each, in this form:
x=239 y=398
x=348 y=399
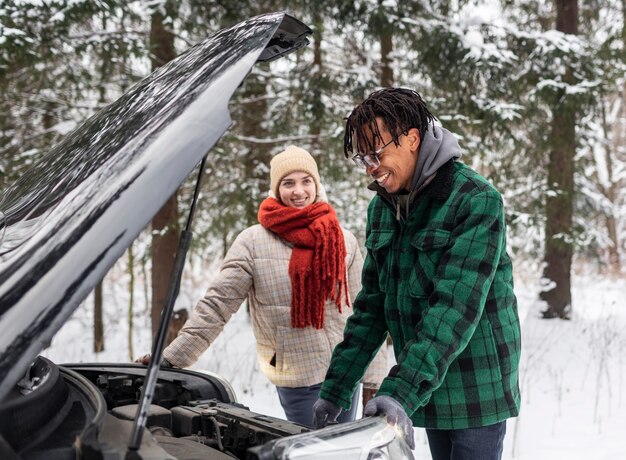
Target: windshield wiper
x=147 y=392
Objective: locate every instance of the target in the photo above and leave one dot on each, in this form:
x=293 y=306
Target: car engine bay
x=87 y=411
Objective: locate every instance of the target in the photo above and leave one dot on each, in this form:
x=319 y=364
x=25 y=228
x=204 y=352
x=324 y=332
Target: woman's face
x=297 y=190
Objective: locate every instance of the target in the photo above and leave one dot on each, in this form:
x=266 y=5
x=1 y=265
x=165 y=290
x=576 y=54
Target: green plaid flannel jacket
x=441 y=285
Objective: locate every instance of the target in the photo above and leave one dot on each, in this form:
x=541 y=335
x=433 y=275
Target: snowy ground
x=573 y=376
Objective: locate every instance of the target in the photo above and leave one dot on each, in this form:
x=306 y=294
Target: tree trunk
x=161 y=42
x=253 y=125
x=318 y=107
x=619 y=142
x=386 y=78
x=165 y=230
x=98 y=322
x=131 y=301
x=386 y=47
x=610 y=189
x=559 y=205
x=165 y=235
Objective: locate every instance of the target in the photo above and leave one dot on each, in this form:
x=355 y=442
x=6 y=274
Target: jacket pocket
x=428 y=246
x=301 y=349
x=478 y=363
x=485 y=352
x=378 y=244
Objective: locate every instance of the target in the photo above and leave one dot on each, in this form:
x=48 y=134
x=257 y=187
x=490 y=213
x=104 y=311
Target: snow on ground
x=573 y=376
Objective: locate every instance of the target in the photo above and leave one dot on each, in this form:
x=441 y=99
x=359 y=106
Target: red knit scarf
x=317 y=267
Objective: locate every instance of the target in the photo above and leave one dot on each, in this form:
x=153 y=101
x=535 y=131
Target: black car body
x=66 y=221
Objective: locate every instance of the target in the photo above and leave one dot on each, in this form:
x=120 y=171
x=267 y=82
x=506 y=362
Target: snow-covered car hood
x=72 y=215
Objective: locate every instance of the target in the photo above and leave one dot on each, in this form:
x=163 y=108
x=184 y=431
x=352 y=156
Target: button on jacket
x=440 y=283
x=256 y=268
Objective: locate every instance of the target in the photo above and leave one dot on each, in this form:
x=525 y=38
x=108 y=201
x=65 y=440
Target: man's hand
x=324 y=412
x=386 y=405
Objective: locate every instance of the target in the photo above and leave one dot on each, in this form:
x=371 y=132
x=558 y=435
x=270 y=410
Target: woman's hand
x=145 y=359
x=368 y=393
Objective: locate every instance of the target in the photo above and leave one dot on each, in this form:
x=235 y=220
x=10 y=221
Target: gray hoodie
x=437 y=148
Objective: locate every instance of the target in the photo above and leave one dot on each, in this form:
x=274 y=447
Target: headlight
x=366 y=439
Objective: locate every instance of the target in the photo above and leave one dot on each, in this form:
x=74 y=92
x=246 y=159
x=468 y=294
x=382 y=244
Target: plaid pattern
x=441 y=285
x=256 y=268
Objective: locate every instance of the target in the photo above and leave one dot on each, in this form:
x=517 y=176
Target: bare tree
x=615 y=140
x=131 y=301
x=98 y=321
x=615 y=149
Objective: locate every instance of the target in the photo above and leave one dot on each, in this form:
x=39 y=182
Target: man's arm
x=364 y=333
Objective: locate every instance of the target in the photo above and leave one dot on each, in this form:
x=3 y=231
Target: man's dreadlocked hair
x=400 y=110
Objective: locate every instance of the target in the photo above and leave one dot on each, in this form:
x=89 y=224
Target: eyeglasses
x=370 y=159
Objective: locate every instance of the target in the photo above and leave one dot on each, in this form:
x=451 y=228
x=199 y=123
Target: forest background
x=535 y=90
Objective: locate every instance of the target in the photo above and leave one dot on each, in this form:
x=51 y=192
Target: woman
x=298 y=270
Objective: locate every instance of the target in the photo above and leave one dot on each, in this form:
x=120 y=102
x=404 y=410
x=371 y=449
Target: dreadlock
x=400 y=110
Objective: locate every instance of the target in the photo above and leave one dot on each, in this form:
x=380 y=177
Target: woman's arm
x=223 y=298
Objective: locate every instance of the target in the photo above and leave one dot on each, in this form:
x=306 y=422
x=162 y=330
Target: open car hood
x=66 y=221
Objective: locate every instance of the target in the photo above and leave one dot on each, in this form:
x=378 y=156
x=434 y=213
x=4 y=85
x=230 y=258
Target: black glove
x=324 y=412
x=396 y=415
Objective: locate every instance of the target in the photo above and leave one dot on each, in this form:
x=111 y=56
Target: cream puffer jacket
x=256 y=268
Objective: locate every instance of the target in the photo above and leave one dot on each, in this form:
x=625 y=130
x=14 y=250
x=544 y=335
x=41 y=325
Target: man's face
x=397 y=163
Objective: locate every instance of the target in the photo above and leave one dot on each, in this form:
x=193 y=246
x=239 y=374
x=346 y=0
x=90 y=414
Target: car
x=67 y=220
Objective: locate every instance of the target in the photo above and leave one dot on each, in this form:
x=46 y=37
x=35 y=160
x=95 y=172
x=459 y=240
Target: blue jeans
x=298 y=404
x=484 y=443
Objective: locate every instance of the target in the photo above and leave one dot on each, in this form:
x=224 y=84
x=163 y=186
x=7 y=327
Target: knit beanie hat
x=290 y=160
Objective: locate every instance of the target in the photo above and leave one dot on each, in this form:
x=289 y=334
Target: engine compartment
x=225 y=428
x=192 y=414
x=87 y=411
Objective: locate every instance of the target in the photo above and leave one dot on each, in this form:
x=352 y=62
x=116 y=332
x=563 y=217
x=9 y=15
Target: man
x=437 y=278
